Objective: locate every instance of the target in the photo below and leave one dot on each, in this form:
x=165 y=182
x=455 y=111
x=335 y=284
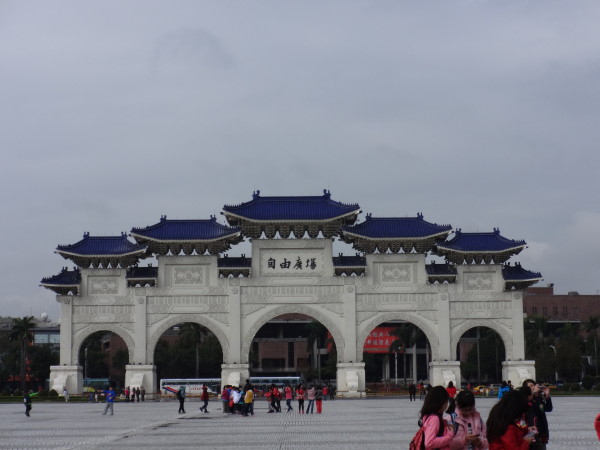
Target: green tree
x=41 y=357
x=21 y=332
x=591 y=327
x=568 y=352
x=192 y=335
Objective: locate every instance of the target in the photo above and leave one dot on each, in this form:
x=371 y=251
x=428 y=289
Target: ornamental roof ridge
x=469 y=237
x=102 y=245
x=397 y=227
x=185 y=230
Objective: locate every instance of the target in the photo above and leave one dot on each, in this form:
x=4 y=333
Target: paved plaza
x=382 y=423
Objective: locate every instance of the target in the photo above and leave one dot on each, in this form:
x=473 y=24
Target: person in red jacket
x=597 y=426
x=204 y=398
x=451 y=389
x=506 y=426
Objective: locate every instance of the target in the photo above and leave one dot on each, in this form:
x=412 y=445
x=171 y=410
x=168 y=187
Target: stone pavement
x=382 y=423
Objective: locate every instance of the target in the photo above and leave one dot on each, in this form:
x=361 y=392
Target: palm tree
x=21 y=332
x=591 y=326
x=193 y=334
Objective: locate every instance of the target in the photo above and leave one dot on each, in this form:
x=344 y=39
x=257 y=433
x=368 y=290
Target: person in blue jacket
x=504 y=388
x=110 y=398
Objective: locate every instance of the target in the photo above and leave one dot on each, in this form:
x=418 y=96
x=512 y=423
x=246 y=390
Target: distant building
x=559 y=309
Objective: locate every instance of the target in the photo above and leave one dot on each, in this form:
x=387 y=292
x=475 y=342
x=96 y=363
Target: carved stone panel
x=103 y=285
x=480 y=310
x=188 y=304
x=479 y=281
x=398 y=273
x=188 y=275
x=102 y=314
x=288 y=262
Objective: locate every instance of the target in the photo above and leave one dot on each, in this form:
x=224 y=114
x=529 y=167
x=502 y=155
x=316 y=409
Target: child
x=470 y=428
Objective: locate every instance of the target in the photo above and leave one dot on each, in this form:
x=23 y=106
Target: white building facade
x=235 y=297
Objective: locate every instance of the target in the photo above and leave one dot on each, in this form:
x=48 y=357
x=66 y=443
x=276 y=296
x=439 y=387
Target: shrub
x=574 y=387
x=5 y=393
x=587 y=382
x=52 y=393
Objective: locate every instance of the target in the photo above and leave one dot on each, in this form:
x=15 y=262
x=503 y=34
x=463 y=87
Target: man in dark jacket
x=541 y=403
x=27 y=401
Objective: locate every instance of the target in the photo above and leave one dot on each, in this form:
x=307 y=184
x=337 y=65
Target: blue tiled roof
x=349 y=261
x=236 y=261
x=481 y=242
x=434 y=269
x=185 y=230
x=142 y=272
x=101 y=245
x=396 y=228
x=517 y=273
x=65 y=278
x=291 y=208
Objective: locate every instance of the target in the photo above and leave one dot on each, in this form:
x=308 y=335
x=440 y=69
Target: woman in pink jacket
x=470 y=427
x=438 y=434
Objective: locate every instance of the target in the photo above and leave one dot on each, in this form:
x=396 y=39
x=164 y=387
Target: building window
x=273 y=363
x=544 y=311
x=290 y=354
x=534 y=310
x=555 y=310
x=565 y=311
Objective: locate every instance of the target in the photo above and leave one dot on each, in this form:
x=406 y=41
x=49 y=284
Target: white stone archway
x=502 y=331
x=184 y=318
x=84 y=333
x=266 y=316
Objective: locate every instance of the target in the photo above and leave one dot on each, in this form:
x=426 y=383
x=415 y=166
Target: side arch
x=299 y=309
x=502 y=331
x=424 y=325
x=86 y=332
x=194 y=318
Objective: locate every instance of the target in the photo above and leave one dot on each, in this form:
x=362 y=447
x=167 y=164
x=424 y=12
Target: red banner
x=379 y=340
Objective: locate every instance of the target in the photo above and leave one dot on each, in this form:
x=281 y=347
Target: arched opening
x=481 y=352
x=294 y=345
x=396 y=353
x=103 y=356
x=188 y=350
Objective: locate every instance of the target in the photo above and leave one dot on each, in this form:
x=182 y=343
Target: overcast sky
x=479 y=114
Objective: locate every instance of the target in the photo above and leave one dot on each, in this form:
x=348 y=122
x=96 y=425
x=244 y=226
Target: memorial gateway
x=292 y=269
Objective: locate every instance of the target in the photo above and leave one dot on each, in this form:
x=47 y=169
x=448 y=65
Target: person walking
x=248 y=399
x=421 y=390
x=319 y=400
x=137 y=394
x=181 y=397
x=311 y=393
x=66 y=394
x=506 y=428
x=470 y=429
x=204 y=397
x=289 y=395
x=27 y=402
x=300 y=394
x=412 y=392
x=438 y=433
x=504 y=388
x=143 y=393
x=110 y=399
x=541 y=404
x=451 y=389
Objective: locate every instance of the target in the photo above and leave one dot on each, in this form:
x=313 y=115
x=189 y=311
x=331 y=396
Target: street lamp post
x=556 y=367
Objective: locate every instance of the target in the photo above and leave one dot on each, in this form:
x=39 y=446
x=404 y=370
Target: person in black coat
x=541 y=404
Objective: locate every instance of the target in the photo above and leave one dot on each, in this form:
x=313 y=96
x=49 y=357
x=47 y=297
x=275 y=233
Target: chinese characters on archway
x=299 y=263
x=379 y=340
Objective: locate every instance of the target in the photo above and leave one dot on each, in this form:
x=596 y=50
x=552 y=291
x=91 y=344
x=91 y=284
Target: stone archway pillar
x=143 y=375
x=442 y=372
x=234 y=374
x=518 y=371
x=70 y=377
x=351 y=380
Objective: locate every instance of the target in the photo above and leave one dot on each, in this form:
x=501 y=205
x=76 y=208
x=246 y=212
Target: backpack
x=418 y=440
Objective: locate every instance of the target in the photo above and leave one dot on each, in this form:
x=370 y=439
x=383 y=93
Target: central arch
x=504 y=334
x=84 y=333
x=194 y=318
x=424 y=325
x=300 y=309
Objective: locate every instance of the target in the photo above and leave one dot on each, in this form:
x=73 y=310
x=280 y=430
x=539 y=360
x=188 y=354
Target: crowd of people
x=238 y=400
x=449 y=419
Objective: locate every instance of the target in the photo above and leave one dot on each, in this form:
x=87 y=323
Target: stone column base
x=518 y=371
x=69 y=377
x=234 y=374
x=442 y=372
x=143 y=375
x=351 y=380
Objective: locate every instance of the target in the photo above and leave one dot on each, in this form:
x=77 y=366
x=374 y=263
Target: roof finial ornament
x=163 y=218
x=213 y=218
x=420 y=215
x=86 y=234
x=496 y=230
x=326 y=193
x=368 y=216
x=256 y=194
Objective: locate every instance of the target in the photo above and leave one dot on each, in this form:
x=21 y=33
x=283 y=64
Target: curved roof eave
x=148 y=238
x=103 y=255
x=397 y=238
x=521 y=247
x=355 y=212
